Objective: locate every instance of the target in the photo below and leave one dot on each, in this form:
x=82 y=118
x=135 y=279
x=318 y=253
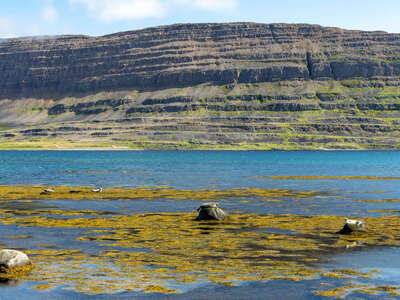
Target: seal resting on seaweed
x=210 y=211
x=47 y=191
x=352 y=226
x=12 y=258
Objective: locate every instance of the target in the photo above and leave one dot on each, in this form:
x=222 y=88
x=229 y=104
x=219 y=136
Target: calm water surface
x=211 y=170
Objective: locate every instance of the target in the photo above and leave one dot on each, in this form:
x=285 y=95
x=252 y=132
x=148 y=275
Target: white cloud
x=212 y=5
x=7 y=28
x=119 y=10
x=39 y=24
x=49 y=12
x=126 y=10
x=11 y=29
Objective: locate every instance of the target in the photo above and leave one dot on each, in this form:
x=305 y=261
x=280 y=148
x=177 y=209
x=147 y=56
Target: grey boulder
x=12 y=258
x=210 y=211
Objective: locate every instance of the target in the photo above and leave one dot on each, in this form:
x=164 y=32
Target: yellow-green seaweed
x=343 y=291
x=146 y=252
x=85 y=193
x=153 y=249
x=16 y=273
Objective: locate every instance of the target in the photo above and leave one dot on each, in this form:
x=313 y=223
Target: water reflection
x=9 y=282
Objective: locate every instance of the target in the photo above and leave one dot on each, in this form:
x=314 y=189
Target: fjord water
x=189 y=169
x=346 y=181
x=217 y=170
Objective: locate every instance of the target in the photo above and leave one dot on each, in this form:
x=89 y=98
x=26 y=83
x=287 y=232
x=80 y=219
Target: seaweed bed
x=168 y=252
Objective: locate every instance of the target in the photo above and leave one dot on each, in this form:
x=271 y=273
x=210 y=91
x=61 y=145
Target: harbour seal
x=210 y=211
x=12 y=258
x=352 y=226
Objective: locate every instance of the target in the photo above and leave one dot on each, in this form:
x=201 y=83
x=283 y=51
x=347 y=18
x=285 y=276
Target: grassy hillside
x=285 y=115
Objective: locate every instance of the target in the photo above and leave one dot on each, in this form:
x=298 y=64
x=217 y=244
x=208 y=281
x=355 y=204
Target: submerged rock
x=210 y=211
x=12 y=258
x=352 y=226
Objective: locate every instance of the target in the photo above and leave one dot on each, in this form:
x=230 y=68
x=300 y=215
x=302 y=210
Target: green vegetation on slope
x=315 y=115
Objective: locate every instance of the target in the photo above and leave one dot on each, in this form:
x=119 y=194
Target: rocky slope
x=237 y=85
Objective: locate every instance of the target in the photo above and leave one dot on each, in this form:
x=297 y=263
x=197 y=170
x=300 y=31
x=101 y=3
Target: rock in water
x=12 y=258
x=352 y=226
x=210 y=211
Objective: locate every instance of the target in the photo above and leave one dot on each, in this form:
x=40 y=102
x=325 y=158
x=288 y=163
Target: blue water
x=216 y=170
x=206 y=170
x=192 y=169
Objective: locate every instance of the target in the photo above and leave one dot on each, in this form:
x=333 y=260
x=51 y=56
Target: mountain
x=203 y=86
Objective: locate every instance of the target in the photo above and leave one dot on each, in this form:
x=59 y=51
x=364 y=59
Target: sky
x=99 y=17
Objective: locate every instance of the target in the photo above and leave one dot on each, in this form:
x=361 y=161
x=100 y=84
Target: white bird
x=97 y=190
x=48 y=191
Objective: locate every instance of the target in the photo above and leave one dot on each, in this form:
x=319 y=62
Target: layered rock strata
x=240 y=85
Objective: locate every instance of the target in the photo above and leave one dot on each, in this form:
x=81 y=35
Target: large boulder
x=352 y=226
x=12 y=258
x=210 y=211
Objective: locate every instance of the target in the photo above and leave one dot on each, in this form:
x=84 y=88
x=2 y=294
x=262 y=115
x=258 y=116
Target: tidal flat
x=138 y=237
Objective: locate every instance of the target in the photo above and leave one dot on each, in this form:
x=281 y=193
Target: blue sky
x=99 y=17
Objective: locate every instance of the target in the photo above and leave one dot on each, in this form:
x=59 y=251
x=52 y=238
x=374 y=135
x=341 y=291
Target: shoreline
x=199 y=149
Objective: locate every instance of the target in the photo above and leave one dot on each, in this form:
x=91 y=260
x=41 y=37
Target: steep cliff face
x=242 y=85
x=191 y=54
